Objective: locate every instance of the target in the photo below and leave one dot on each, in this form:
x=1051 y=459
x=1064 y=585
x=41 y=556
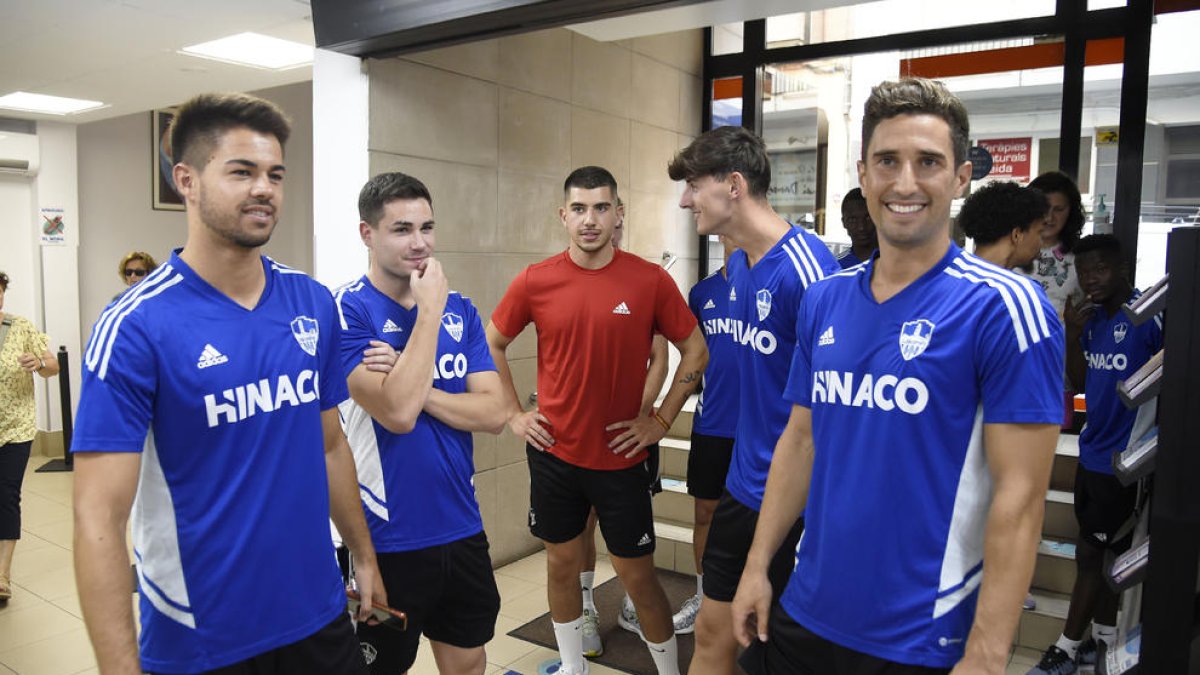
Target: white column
x=340 y=165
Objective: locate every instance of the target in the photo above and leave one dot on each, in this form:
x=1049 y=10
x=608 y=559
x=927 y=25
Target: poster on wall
x=53 y=227
x=793 y=191
x=1010 y=158
x=163 y=185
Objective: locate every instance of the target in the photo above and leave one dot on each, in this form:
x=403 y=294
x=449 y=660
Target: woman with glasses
x=135 y=266
x=23 y=352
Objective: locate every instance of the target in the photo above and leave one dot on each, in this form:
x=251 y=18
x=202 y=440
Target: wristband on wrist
x=666 y=425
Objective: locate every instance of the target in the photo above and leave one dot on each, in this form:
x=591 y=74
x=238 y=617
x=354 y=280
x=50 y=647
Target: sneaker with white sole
x=628 y=618
x=685 y=619
x=1054 y=662
x=592 y=646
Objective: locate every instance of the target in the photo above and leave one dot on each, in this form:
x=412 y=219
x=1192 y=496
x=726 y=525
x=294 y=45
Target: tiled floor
x=42 y=632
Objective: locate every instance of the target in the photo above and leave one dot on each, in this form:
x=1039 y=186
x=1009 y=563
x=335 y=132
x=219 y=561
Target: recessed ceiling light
x=254 y=50
x=51 y=105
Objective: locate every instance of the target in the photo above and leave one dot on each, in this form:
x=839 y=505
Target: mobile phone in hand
x=392 y=618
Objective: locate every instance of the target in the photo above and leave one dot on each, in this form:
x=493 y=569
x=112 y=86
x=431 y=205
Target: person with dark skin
x=1103 y=348
x=1005 y=221
x=860 y=227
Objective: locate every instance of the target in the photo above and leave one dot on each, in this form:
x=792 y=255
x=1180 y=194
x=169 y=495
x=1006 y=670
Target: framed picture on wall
x=164 y=197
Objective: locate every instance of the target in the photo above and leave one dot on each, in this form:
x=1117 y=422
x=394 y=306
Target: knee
x=711 y=629
x=704 y=511
x=1089 y=558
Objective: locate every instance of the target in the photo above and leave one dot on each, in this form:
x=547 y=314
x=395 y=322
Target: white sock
x=570 y=644
x=1105 y=634
x=699 y=585
x=1068 y=646
x=586 y=580
x=665 y=655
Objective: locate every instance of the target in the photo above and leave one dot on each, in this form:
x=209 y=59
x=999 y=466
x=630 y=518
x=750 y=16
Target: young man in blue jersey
x=411 y=434
x=714 y=424
x=210 y=393
x=926 y=402
x=857 y=221
x=728 y=173
x=1103 y=348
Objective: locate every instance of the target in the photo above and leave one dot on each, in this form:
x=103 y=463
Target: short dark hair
x=853 y=196
x=3 y=282
x=998 y=208
x=387 y=187
x=917 y=96
x=590 y=178
x=721 y=151
x=1057 y=181
x=199 y=123
x=1106 y=245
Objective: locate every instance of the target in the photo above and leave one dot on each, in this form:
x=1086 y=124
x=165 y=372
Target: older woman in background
x=23 y=352
x=135 y=266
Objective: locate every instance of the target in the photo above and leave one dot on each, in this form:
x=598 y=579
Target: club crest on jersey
x=914 y=338
x=453 y=324
x=306 y=331
x=763 y=301
x=1119 y=331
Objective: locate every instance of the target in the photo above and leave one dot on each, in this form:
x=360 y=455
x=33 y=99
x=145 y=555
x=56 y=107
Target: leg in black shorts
x=449 y=594
x=708 y=465
x=728 y=544
x=333 y=650
x=794 y=650
x=561 y=494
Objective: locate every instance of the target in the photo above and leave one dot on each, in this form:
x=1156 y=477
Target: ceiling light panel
x=50 y=105
x=254 y=50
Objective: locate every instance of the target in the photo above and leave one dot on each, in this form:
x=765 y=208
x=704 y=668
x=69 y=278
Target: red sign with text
x=1010 y=158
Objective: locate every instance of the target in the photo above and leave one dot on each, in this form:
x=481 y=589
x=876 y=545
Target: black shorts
x=449 y=593
x=729 y=541
x=332 y=649
x=562 y=494
x=1102 y=506
x=708 y=465
x=794 y=650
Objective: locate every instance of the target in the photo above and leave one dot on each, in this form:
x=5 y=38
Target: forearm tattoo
x=690 y=378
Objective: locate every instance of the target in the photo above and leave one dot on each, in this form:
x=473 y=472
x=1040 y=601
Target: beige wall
x=493 y=128
x=115 y=216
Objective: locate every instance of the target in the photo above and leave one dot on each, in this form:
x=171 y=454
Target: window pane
x=886 y=17
x=727 y=39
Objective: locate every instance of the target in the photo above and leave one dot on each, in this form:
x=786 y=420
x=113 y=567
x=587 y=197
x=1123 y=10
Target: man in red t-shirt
x=596 y=310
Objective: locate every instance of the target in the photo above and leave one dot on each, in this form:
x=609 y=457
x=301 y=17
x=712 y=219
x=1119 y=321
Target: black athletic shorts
x=332 y=649
x=708 y=465
x=449 y=594
x=729 y=541
x=1102 y=506
x=794 y=650
x=562 y=494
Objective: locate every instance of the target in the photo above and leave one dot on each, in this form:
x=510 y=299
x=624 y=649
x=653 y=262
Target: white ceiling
x=124 y=52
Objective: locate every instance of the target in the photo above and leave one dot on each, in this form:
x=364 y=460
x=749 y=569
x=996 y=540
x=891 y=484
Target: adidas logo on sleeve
x=210 y=357
x=390 y=326
x=710 y=304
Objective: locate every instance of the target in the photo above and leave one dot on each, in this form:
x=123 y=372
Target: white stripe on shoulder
x=798 y=248
x=853 y=271
x=111 y=339
x=351 y=287
x=101 y=332
x=281 y=268
x=1033 y=311
x=979 y=274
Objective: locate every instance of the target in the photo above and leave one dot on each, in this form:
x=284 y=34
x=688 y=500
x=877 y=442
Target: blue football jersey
x=892 y=553
x=231 y=521
x=849 y=260
x=1114 y=349
x=416 y=488
x=763 y=304
x=717 y=409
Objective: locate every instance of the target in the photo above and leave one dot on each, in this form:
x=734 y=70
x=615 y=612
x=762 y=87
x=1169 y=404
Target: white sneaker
x=628 y=618
x=592 y=646
x=685 y=619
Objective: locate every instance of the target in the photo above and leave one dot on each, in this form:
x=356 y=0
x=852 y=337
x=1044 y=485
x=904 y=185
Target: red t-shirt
x=594 y=329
